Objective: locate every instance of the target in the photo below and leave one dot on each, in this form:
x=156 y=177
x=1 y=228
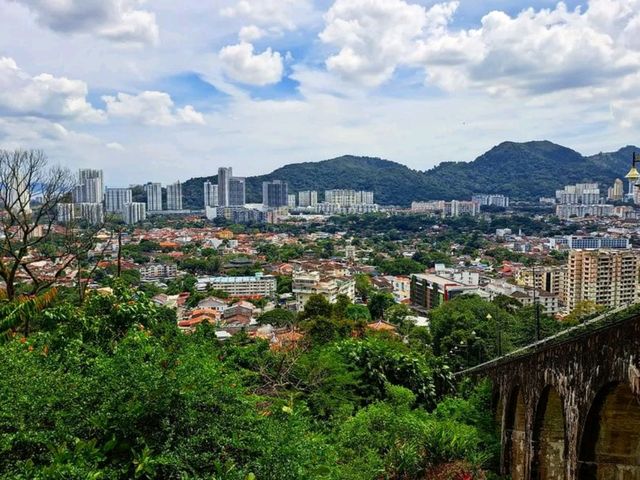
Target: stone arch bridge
x=569 y=406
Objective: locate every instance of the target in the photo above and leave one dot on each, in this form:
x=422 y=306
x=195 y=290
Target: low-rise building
x=429 y=290
x=158 y=271
x=306 y=284
x=258 y=285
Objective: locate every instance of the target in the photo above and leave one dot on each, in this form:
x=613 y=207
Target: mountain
x=521 y=170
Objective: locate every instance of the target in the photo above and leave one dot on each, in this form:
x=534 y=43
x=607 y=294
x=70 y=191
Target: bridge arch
x=610 y=446
x=549 y=437
x=515 y=434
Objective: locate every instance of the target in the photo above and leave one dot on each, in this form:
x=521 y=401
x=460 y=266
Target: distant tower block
x=633 y=176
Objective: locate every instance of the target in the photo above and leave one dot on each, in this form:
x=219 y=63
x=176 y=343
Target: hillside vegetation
x=521 y=170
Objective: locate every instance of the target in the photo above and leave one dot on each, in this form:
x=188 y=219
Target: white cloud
x=283 y=14
x=115 y=20
x=151 y=108
x=535 y=51
x=43 y=95
x=374 y=37
x=241 y=64
x=251 y=33
x=115 y=146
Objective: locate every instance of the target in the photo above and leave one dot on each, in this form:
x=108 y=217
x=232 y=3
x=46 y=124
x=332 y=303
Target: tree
x=397 y=314
x=379 y=303
x=469 y=329
x=24 y=173
x=401 y=266
x=583 y=309
x=277 y=317
x=340 y=307
x=363 y=286
x=358 y=313
x=317 y=306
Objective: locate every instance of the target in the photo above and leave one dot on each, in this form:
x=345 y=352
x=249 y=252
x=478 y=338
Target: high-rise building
x=546 y=279
x=116 y=198
x=90 y=188
x=275 y=194
x=65 y=212
x=237 y=196
x=224 y=177
x=291 y=200
x=174 y=196
x=210 y=195
x=580 y=193
x=616 y=192
x=154 y=196
x=134 y=212
x=308 y=198
x=347 y=198
x=565 y=212
x=491 y=200
x=605 y=277
x=92 y=213
x=18 y=195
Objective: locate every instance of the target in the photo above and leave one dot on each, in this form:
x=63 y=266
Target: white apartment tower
x=154 y=196
x=116 y=198
x=90 y=188
x=307 y=198
x=174 y=196
x=224 y=177
x=210 y=195
x=134 y=212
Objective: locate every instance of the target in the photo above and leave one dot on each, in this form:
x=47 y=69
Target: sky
x=165 y=90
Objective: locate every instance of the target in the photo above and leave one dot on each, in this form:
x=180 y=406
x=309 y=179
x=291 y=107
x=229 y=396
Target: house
x=213 y=303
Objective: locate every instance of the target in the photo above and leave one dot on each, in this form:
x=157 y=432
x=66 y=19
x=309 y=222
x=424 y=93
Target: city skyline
x=424 y=82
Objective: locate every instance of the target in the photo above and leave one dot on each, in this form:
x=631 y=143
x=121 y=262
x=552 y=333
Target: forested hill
x=521 y=170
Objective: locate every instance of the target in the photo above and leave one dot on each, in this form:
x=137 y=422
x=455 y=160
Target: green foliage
x=210 y=265
x=278 y=317
x=401 y=266
x=467 y=328
x=523 y=170
x=387 y=361
x=378 y=303
x=358 y=313
x=112 y=390
x=388 y=440
x=316 y=306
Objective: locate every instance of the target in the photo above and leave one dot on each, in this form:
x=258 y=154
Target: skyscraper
x=237 y=194
x=65 y=212
x=134 y=212
x=154 y=196
x=275 y=194
x=210 y=195
x=308 y=198
x=18 y=195
x=116 y=198
x=224 y=177
x=90 y=188
x=174 y=196
x=92 y=213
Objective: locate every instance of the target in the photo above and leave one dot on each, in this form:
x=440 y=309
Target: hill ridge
x=522 y=170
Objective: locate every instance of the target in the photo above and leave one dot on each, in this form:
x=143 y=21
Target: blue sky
x=160 y=90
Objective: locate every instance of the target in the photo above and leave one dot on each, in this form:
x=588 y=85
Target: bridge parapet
x=569 y=406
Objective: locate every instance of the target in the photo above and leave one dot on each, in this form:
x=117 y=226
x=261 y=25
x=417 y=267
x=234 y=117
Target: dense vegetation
x=521 y=170
x=111 y=390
